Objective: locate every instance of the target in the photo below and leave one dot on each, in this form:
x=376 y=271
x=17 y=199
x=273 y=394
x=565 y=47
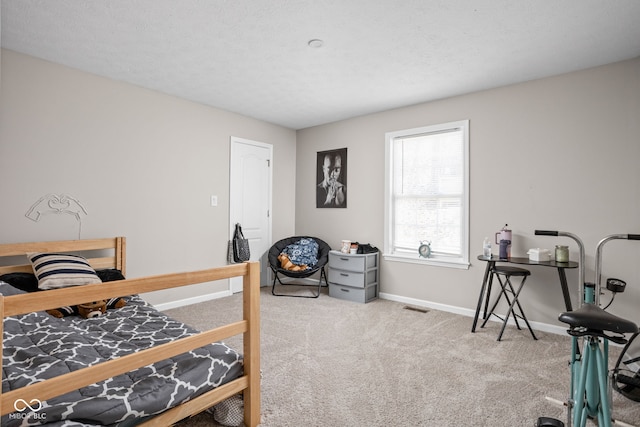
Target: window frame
x=442 y=260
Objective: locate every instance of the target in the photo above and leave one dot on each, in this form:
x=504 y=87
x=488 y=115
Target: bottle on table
x=486 y=248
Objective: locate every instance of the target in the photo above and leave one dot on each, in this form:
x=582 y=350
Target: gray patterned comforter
x=38 y=346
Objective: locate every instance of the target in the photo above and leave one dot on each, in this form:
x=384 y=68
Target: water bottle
x=486 y=248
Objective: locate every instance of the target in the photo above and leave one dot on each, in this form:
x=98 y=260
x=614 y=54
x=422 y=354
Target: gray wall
x=558 y=153
x=143 y=164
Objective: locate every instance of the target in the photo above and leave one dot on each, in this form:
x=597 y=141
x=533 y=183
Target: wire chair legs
x=316 y=294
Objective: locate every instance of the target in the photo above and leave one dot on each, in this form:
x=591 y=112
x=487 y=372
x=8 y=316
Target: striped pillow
x=62 y=270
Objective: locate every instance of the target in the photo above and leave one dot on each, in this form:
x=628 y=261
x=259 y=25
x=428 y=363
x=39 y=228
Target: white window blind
x=427 y=191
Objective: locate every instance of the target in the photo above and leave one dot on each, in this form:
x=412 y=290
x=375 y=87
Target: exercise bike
x=590 y=389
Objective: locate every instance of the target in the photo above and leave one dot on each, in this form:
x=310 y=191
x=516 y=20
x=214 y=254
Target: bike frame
x=590 y=394
x=590 y=389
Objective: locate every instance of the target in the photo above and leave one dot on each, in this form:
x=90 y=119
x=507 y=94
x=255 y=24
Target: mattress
x=38 y=346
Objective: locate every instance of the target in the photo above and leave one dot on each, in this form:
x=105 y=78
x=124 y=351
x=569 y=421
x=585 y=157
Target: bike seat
x=592 y=320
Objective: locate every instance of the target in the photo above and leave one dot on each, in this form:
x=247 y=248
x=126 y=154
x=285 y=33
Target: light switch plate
x=214 y=200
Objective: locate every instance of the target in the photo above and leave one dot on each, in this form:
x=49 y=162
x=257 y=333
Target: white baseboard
x=192 y=300
x=538 y=326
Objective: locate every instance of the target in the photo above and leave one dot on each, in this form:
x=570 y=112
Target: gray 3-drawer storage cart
x=354 y=277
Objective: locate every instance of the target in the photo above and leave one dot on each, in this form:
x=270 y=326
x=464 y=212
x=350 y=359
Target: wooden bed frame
x=248 y=384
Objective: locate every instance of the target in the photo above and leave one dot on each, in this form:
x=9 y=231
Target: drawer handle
x=344 y=259
x=344 y=290
x=344 y=274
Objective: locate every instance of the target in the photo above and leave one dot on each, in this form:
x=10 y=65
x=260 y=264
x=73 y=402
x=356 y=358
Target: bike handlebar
x=581 y=263
x=546 y=233
x=599 y=257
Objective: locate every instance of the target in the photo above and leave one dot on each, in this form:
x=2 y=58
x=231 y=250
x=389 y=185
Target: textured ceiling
x=252 y=57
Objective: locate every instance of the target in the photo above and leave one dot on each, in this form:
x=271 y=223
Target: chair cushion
x=277 y=248
x=511 y=271
x=303 y=252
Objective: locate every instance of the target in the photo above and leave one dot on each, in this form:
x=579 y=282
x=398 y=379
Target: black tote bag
x=241 y=252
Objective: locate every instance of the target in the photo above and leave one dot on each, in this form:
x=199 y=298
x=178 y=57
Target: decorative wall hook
x=54 y=203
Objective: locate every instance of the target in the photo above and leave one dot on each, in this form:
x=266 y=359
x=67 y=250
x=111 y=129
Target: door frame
x=235 y=284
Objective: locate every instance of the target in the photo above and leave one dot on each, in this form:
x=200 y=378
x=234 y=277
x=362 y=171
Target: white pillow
x=62 y=270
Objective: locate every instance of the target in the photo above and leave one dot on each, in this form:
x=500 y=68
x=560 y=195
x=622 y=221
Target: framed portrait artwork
x=331 y=178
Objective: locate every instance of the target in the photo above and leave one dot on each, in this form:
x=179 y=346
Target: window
x=427 y=194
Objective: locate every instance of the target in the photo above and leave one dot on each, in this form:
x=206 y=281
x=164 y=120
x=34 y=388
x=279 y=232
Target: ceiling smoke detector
x=315 y=43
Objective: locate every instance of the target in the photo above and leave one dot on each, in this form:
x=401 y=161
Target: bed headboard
x=101 y=253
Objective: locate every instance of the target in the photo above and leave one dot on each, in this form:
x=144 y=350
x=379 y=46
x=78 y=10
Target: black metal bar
x=482 y=289
x=565 y=289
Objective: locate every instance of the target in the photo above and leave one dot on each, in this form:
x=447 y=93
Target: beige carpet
x=329 y=362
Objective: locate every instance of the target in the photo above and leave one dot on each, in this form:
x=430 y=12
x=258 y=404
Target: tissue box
x=538 y=254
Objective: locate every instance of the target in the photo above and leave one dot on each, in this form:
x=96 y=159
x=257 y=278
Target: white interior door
x=250 y=200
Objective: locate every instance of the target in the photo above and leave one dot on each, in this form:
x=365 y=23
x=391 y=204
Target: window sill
x=436 y=262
